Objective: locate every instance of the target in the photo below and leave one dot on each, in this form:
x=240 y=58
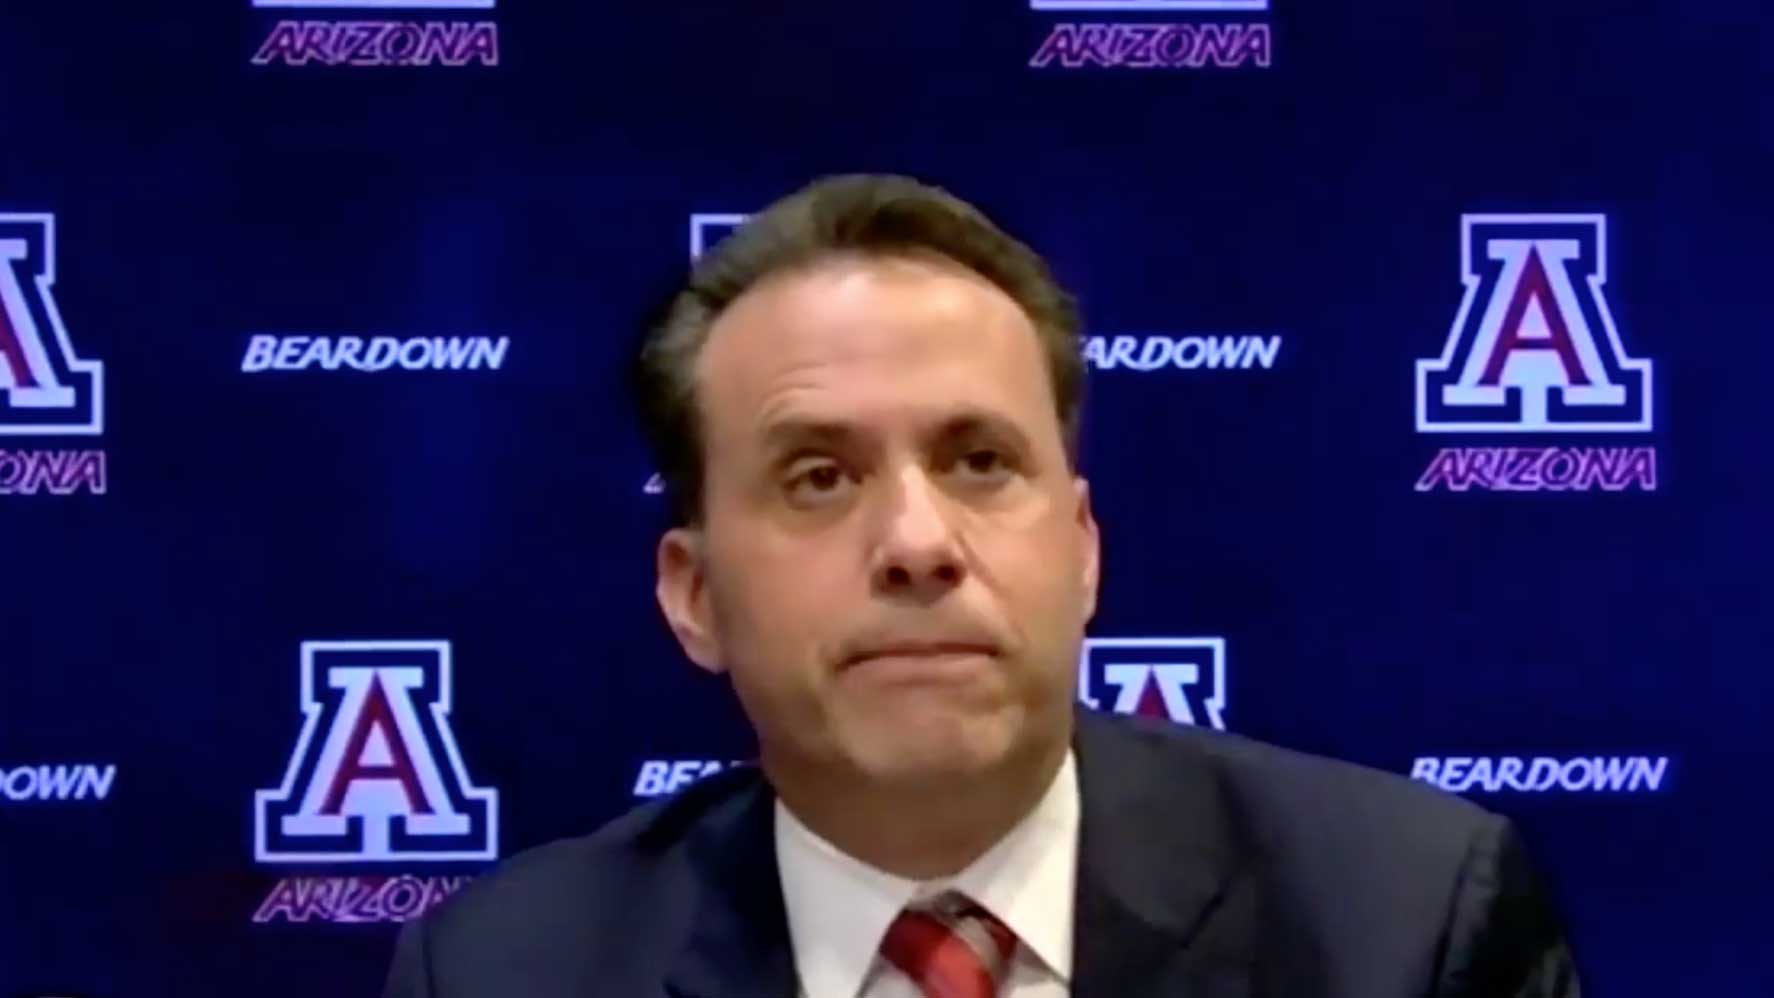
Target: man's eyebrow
x=979 y=422
x=796 y=431
x=799 y=431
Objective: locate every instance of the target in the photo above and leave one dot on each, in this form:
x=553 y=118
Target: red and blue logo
x=1180 y=679
x=376 y=775
x=46 y=388
x=710 y=227
x=1534 y=349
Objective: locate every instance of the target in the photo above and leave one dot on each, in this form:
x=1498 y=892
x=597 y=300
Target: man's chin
x=930 y=752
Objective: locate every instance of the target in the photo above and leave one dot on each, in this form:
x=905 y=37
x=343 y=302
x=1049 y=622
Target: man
x=866 y=407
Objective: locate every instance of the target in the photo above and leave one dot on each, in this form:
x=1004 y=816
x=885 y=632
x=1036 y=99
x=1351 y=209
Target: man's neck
x=922 y=831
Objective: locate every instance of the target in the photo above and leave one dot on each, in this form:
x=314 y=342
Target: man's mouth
x=922 y=650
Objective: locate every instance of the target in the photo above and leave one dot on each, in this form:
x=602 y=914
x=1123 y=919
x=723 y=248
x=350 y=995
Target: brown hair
x=855 y=213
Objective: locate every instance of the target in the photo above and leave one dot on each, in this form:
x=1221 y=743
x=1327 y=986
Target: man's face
x=895 y=563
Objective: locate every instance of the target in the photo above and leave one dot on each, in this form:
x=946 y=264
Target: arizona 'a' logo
x=1533 y=347
x=1183 y=679
x=376 y=775
x=45 y=389
x=708 y=228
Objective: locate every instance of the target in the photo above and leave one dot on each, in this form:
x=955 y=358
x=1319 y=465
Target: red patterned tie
x=952 y=949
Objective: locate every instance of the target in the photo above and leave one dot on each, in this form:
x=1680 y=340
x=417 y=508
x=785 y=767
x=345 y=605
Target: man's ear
x=682 y=590
x=1093 y=547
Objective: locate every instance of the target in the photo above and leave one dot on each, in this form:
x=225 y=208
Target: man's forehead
x=850 y=319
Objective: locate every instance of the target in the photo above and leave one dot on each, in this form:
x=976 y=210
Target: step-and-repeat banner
x=1428 y=348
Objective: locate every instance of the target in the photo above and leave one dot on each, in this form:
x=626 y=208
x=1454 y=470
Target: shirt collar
x=839 y=907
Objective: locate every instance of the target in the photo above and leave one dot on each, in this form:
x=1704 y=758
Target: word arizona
x=380 y=43
x=1630 y=774
x=1154 y=46
x=356 y=899
x=57 y=472
x=379 y=353
x=1541 y=469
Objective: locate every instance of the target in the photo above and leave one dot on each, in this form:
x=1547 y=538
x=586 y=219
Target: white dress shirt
x=839 y=907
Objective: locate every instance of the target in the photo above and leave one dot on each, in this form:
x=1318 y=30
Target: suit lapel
x=1164 y=900
x=738 y=943
x=1165 y=904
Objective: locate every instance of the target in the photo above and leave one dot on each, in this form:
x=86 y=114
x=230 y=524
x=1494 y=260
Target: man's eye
x=824 y=478
x=817 y=480
x=985 y=462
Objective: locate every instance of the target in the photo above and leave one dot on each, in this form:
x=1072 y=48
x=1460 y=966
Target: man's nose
x=919 y=554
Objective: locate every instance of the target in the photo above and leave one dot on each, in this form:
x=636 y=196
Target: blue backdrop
x=313 y=325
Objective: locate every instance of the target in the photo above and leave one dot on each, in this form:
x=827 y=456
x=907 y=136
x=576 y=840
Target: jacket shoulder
x=1360 y=867
x=1340 y=793
x=550 y=906
x=1269 y=783
x=1321 y=826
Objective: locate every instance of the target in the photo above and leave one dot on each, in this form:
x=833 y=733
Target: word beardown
x=663 y=777
x=1187 y=353
x=30 y=784
x=1582 y=774
x=378 y=353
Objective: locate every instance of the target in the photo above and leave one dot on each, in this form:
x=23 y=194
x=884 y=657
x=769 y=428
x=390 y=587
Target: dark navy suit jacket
x=1209 y=866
